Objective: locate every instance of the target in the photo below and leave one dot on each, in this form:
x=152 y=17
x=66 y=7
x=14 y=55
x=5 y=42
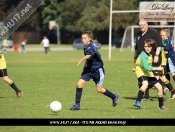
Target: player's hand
x=133 y=69
x=160 y=68
x=79 y=63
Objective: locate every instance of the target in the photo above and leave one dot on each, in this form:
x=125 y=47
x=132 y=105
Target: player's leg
x=98 y=78
x=143 y=81
x=78 y=94
x=171 y=68
x=160 y=96
x=11 y=83
x=85 y=76
x=168 y=85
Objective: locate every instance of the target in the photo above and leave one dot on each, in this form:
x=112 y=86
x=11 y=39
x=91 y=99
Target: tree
x=51 y=10
x=95 y=15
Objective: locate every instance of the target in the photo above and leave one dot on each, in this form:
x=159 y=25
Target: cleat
x=19 y=94
x=75 y=107
x=172 y=96
x=163 y=108
x=115 y=101
x=137 y=104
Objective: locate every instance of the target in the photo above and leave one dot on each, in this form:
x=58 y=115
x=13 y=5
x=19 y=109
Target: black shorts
x=156 y=72
x=151 y=81
x=3 y=72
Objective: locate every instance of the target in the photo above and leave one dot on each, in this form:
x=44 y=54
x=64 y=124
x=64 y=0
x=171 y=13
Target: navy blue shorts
x=97 y=75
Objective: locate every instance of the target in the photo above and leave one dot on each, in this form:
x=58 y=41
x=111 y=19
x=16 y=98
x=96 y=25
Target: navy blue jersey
x=95 y=62
x=169 y=47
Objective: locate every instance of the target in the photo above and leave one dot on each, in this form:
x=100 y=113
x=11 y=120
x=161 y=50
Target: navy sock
x=78 y=95
x=15 y=87
x=109 y=94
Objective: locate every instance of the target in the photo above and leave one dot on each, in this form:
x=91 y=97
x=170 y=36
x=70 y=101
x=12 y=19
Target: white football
x=55 y=106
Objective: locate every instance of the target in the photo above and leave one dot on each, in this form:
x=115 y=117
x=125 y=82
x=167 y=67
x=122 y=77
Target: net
x=128 y=42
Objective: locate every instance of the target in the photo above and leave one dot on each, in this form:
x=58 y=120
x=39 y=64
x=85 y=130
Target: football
x=55 y=106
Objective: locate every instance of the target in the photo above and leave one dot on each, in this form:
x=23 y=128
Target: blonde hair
x=164 y=30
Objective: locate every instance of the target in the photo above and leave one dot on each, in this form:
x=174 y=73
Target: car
x=9 y=41
x=117 y=42
x=78 y=44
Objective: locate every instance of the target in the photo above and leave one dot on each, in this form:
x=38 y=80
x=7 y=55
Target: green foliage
x=45 y=78
x=51 y=11
x=95 y=15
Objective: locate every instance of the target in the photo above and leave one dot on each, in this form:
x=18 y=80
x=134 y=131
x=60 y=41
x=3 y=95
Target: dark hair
x=151 y=43
x=89 y=34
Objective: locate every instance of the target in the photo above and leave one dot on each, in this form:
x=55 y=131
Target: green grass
x=45 y=78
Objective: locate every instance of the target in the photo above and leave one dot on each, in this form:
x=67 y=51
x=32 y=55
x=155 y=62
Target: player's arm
x=158 y=50
x=49 y=43
x=83 y=59
x=41 y=43
x=165 y=52
x=85 y=64
x=146 y=66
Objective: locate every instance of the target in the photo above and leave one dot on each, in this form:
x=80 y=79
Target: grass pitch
x=45 y=78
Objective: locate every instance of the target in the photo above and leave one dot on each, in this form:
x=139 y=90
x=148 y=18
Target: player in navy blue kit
x=93 y=69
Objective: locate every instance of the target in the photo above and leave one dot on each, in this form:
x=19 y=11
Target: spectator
x=46 y=44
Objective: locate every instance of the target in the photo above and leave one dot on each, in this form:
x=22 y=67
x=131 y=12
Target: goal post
x=110 y=23
x=129 y=36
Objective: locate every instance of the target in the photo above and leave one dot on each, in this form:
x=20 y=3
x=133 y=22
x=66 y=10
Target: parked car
x=117 y=42
x=78 y=44
x=9 y=41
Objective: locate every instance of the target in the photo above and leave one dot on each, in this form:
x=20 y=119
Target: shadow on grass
x=2 y=97
x=152 y=98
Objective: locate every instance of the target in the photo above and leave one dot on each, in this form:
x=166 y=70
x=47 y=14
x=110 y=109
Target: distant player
x=46 y=44
x=163 y=78
x=145 y=75
x=93 y=69
x=23 y=45
x=170 y=55
x=4 y=75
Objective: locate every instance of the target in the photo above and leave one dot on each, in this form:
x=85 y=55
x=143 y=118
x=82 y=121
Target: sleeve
x=166 y=47
x=90 y=51
x=170 y=44
x=144 y=62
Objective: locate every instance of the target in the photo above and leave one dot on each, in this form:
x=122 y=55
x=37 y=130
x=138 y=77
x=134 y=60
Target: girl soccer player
x=145 y=75
x=170 y=54
x=3 y=74
x=93 y=69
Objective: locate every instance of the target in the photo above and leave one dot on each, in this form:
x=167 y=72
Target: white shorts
x=171 y=66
